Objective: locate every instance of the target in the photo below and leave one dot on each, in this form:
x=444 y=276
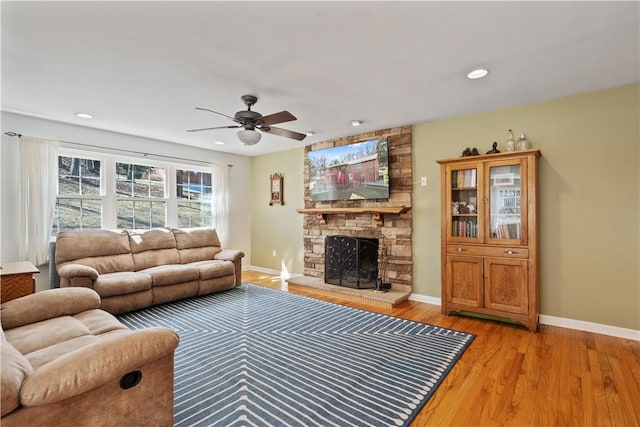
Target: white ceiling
x=141 y=67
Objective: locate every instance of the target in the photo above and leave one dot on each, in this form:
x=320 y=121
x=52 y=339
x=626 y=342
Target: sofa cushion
x=151 y=248
x=172 y=274
x=187 y=238
x=35 y=336
x=130 y=302
x=148 y=259
x=214 y=268
x=122 y=283
x=198 y=254
x=77 y=244
x=106 y=251
x=47 y=304
x=156 y=238
x=15 y=369
x=45 y=355
x=99 y=322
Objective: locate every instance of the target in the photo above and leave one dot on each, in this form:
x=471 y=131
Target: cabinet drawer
x=493 y=251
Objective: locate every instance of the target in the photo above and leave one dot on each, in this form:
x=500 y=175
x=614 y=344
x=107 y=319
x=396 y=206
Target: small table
x=16 y=280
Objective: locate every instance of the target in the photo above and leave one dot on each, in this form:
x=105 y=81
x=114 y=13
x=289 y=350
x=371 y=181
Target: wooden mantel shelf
x=378 y=213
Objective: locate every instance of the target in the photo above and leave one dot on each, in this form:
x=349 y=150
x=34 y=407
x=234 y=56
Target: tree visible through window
x=79 y=204
x=140 y=193
x=111 y=193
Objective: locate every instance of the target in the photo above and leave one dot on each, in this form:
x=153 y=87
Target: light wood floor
x=509 y=376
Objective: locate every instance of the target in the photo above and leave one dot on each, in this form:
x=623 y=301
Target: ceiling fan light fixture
x=477 y=74
x=249 y=137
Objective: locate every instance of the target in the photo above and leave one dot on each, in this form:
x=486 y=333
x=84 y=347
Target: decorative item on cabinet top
x=522 y=143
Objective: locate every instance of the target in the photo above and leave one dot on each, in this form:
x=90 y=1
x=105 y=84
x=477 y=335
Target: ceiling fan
x=252 y=121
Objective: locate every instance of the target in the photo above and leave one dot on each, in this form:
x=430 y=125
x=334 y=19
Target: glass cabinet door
x=463 y=199
x=507 y=203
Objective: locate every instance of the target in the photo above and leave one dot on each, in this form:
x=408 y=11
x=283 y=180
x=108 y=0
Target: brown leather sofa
x=65 y=362
x=134 y=269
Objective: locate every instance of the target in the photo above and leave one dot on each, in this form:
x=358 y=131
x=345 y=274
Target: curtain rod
x=127 y=151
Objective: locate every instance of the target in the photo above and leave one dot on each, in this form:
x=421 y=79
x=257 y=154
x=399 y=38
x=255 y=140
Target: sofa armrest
x=47 y=304
x=229 y=255
x=71 y=271
x=235 y=257
x=92 y=366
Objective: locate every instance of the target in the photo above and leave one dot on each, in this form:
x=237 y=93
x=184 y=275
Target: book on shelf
x=461 y=228
x=466 y=178
x=507 y=231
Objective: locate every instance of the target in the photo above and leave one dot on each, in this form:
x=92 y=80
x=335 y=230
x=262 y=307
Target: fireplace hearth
x=351 y=261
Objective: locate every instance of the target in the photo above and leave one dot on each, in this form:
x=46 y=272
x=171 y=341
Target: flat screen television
x=350 y=172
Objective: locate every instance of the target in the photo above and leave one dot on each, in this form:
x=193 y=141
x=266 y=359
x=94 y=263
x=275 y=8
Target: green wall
x=589 y=195
x=277 y=227
x=589 y=189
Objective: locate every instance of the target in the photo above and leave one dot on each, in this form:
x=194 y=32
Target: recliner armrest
x=229 y=255
x=47 y=304
x=92 y=366
x=70 y=271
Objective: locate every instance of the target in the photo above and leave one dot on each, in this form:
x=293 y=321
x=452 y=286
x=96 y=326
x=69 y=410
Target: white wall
x=239 y=176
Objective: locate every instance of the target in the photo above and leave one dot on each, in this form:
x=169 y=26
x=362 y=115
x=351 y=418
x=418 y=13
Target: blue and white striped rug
x=255 y=356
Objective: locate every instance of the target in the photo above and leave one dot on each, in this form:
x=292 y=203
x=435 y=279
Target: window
x=140 y=196
x=193 y=191
x=102 y=191
x=79 y=201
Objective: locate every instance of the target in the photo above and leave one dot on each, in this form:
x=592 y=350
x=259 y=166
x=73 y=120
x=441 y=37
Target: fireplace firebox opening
x=351 y=261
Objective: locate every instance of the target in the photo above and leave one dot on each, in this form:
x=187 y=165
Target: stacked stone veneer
x=396 y=233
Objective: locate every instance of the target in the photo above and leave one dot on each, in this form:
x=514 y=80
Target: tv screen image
x=350 y=172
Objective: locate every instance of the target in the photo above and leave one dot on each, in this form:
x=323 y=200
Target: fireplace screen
x=351 y=261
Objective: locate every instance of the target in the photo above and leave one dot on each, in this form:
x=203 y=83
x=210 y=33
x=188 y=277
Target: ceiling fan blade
x=281 y=117
x=283 y=132
x=217 y=127
x=222 y=114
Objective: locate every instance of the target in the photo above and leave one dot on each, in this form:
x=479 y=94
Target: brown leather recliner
x=65 y=362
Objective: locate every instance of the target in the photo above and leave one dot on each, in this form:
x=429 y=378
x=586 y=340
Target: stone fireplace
x=361 y=218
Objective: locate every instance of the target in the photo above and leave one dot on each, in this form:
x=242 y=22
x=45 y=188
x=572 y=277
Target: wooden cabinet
x=16 y=280
x=490 y=236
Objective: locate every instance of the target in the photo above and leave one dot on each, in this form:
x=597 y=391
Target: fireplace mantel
x=377 y=212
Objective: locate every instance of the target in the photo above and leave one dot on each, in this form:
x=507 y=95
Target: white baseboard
x=596 y=328
x=269 y=271
x=562 y=322
x=425 y=298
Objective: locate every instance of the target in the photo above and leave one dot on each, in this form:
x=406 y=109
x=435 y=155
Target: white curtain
x=220 y=208
x=38 y=185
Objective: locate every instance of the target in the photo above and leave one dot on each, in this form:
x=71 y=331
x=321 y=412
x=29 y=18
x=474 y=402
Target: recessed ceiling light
x=356 y=122
x=84 y=115
x=219 y=143
x=310 y=133
x=477 y=74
